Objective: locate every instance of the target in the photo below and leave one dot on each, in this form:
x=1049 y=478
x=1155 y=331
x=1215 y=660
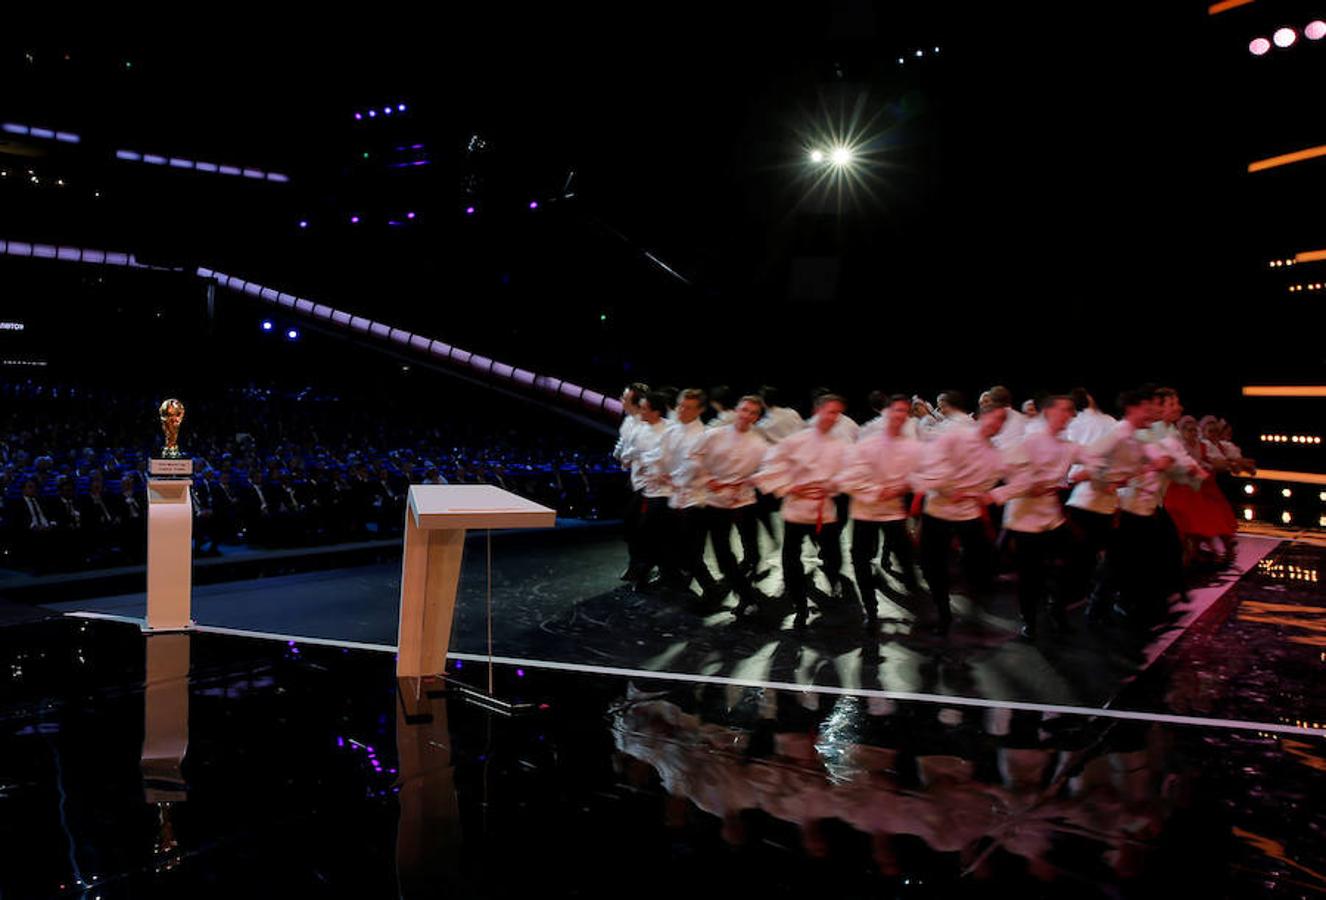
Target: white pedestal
x=436 y=520
x=169 y=554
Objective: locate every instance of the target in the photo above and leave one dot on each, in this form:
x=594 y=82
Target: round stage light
x=534 y=204
x=359 y=117
x=1315 y=30
x=266 y=324
x=400 y=107
x=1247 y=513
x=817 y=156
x=354 y=220
x=372 y=113
x=303 y=223
x=292 y=334
x=1284 y=37
x=1286 y=493
x=386 y=110
x=1286 y=517
x=409 y=215
x=1259 y=46
x=1249 y=489
x=841 y=156
x=469 y=210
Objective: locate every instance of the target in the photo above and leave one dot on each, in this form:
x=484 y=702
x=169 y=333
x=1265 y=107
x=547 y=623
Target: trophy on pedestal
x=171 y=462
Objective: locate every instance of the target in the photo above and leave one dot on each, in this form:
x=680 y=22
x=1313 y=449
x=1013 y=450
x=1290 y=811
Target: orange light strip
x=1310 y=256
x=1225 y=5
x=1298 y=477
x=1287 y=158
x=1288 y=390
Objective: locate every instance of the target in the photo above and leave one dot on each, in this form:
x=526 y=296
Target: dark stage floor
x=557 y=601
x=207 y=765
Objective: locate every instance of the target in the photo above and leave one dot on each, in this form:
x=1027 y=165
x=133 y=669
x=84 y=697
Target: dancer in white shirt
x=1038 y=468
x=650 y=539
x=686 y=504
x=802 y=470
x=1091 y=510
x=961 y=467
x=877 y=474
x=631 y=400
x=727 y=459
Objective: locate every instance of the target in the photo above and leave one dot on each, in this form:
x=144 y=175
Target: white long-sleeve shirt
x=805 y=459
x=874 y=464
x=1122 y=462
x=876 y=426
x=624 y=432
x=1037 y=468
x=673 y=456
x=930 y=428
x=1089 y=428
x=645 y=477
x=845 y=429
x=778 y=423
x=959 y=461
x=1012 y=431
x=731 y=458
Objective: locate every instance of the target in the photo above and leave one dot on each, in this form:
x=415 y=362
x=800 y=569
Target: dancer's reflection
x=980 y=787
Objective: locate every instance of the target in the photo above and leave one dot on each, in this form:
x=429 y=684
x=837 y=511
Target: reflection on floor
x=202 y=765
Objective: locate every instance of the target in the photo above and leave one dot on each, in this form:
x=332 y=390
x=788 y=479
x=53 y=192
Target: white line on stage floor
x=950 y=700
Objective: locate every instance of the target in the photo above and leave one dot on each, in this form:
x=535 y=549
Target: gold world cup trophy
x=172 y=416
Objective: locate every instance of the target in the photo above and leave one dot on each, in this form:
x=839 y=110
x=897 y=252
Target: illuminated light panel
x=590 y=398
x=176 y=162
x=1285 y=159
x=1296 y=477
x=1286 y=390
x=1310 y=256
x=1216 y=9
x=49 y=134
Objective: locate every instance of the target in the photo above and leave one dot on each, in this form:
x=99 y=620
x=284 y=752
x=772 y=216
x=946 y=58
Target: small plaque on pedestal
x=170 y=468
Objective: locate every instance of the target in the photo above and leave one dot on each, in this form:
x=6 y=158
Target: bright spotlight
x=817 y=156
x=292 y=334
x=1284 y=37
x=841 y=156
x=1259 y=46
x=267 y=325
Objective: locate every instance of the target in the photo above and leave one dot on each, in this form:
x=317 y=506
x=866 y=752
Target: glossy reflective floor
x=206 y=765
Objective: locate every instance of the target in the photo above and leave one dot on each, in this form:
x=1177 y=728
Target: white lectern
x=436 y=520
x=169 y=554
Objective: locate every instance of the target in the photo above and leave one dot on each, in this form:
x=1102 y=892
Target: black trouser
x=692 y=527
x=1137 y=564
x=936 y=542
x=865 y=544
x=720 y=525
x=765 y=506
x=1036 y=554
x=631 y=519
x=652 y=537
x=1091 y=532
x=1170 y=560
x=829 y=542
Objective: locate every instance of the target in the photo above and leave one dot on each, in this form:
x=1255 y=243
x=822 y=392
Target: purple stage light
x=520 y=673
x=129 y=155
x=207 y=167
x=292 y=334
x=534 y=204
x=359 y=117
x=1315 y=30
x=469 y=210
x=386 y=110
x=154 y=159
x=228 y=170
x=1259 y=46
x=409 y=215
x=303 y=223
x=401 y=107
x=267 y=326
x=354 y=220
x=372 y=113
x=177 y=163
